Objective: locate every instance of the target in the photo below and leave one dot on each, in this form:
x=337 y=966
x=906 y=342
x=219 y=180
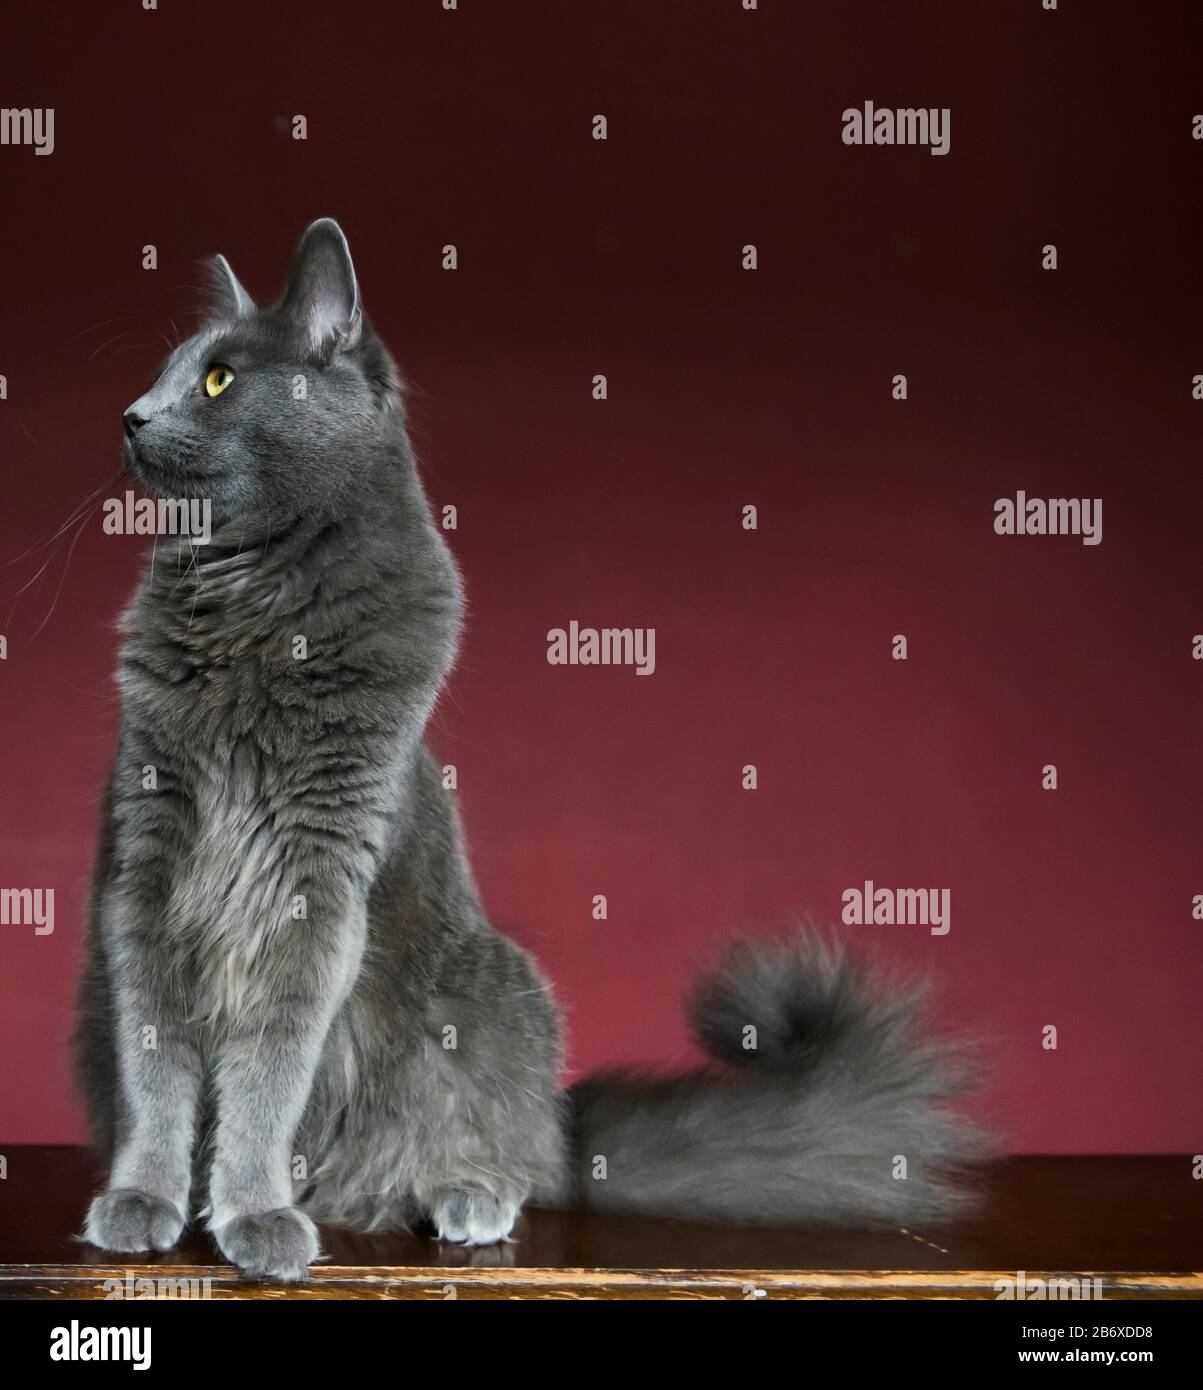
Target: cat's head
x=271 y=412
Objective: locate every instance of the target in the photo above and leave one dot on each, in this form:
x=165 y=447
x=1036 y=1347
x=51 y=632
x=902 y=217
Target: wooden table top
x=1136 y=1223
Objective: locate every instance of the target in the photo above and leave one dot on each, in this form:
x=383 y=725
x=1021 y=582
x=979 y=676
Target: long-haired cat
x=294 y=1008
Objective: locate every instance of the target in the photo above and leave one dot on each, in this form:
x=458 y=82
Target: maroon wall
x=1069 y=907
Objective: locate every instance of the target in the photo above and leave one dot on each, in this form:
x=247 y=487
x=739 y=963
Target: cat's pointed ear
x=227 y=299
x=322 y=297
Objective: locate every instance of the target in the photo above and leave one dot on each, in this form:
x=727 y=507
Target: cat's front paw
x=126 y=1219
x=278 y=1245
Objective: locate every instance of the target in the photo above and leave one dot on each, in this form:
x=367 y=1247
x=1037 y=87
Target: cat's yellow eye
x=218 y=378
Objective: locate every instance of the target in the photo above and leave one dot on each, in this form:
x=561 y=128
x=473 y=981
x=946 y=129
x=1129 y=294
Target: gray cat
x=294 y=1008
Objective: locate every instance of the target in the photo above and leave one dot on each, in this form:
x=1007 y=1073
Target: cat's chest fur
x=235 y=893
x=207 y=656
x=200 y=695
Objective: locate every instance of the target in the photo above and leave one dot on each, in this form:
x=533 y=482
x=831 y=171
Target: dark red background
x=1071 y=907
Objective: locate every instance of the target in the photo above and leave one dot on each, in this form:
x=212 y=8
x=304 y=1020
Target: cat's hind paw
x=473 y=1218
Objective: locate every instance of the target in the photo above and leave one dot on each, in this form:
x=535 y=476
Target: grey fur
x=826 y=1085
x=387 y=1057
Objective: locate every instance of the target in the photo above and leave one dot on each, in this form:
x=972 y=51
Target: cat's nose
x=133 y=422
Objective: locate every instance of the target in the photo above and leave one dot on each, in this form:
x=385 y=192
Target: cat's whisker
x=188 y=569
x=21 y=425
x=49 y=560
x=81 y=513
x=109 y=342
x=63 y=577
x=75 y=511
x=104 y=323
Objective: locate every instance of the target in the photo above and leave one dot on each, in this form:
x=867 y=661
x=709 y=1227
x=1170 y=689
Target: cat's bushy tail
x=826 y=1106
